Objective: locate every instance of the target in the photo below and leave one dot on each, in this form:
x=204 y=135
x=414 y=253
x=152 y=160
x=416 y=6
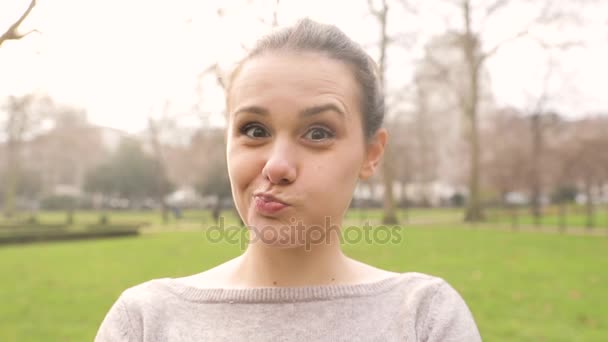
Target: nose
x=280 y=168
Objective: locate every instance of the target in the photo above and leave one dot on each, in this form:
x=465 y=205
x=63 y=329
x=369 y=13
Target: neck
x=320 y=264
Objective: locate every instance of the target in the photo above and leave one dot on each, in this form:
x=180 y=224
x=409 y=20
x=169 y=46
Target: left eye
x=318 y=133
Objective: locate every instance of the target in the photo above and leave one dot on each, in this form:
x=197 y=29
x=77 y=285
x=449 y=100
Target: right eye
x=254 y=131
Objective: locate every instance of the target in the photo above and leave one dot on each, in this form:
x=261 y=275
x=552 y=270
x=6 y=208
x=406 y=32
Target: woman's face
x=295 y=132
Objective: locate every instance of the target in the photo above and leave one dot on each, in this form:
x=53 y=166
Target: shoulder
x=422 y=285
x=149 y=293
x=422 y=290
x=432 y=291
x=442 y=313
x=145 y=298
x=124 y=321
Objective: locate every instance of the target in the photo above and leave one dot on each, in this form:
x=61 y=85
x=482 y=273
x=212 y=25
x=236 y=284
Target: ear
x=374 y=150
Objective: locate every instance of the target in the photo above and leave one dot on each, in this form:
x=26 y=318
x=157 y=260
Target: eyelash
x=328 y=132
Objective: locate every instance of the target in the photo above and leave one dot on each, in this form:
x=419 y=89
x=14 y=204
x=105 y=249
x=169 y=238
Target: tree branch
x=11 y=33
x=544 y=95
x=28 y=32
x=559 y=46
x=372 y=9
x=497 y=47
x=408 y=7
x=544 y=16
x=495 y=6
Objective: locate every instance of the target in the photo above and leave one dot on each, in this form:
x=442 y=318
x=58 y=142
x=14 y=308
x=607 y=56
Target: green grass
x=519 y=286
x=412 y=215
x=119 y=217
x=199 y=216
x=576 y=216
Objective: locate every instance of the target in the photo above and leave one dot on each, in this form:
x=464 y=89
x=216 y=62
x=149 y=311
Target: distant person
x=176 y=210
x=216 y=211
x=305 y=110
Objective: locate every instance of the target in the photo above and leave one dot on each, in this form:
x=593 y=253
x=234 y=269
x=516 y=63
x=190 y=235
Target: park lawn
x=519 y=286
x=204 y=216
x=575 y=217
x=114 y=216
x=410 y=216
x=117 y=217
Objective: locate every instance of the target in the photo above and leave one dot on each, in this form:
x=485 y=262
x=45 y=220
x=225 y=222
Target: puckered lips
x=268 y=204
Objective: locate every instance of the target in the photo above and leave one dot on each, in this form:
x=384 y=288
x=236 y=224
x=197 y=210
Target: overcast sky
x=123 y=60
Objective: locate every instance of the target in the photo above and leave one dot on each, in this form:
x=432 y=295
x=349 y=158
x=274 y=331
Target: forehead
x=277 y=77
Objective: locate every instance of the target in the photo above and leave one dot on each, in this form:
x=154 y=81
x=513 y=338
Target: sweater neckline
x=280 y=294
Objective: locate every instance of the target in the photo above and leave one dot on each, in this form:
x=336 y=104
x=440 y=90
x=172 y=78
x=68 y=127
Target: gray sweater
x=406 y=307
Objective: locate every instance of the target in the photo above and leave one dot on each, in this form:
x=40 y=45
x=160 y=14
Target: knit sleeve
x=115 y=326
x=449 y=318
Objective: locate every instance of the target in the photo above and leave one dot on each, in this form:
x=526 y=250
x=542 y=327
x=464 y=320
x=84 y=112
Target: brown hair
x=308 y=35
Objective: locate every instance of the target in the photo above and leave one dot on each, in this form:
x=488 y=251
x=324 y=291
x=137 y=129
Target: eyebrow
x=307 y=112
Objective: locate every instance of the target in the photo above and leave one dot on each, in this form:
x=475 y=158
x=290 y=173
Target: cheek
x=242 y=169
x=347 y=166
x=337 y=174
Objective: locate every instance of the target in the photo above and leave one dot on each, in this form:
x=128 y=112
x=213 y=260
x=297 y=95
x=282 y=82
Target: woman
x=304 y=125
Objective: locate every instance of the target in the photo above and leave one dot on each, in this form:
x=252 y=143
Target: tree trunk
x=9 y=194
x=162 y=170
x=390 y=216
x=405 y=200
x=563 y=210
x=514 y=216
x=217 y=210
x=602 y=197
x=474 y=211
x=12 y=178
x=535 y=205
x=388 y=175
x=589 y=206
x=69 y=217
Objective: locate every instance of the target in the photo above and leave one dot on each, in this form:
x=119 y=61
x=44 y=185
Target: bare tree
x=406 y=165
x=212 y=171
x=475 y=54
x=540 y=121
x=17 y=123
x=12 y=32
x=432 y=118
x=558 y=151
x=469 y=102
x=153 y=130
x=380 y=13
x=505 y=161
x=464 y=81
x=584 y=159
x=536 y=150
x=388 y=172
x=24 y=119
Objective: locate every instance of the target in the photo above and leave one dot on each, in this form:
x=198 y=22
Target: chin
x=284 y=246
x=276 y=234
x=271 y=232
